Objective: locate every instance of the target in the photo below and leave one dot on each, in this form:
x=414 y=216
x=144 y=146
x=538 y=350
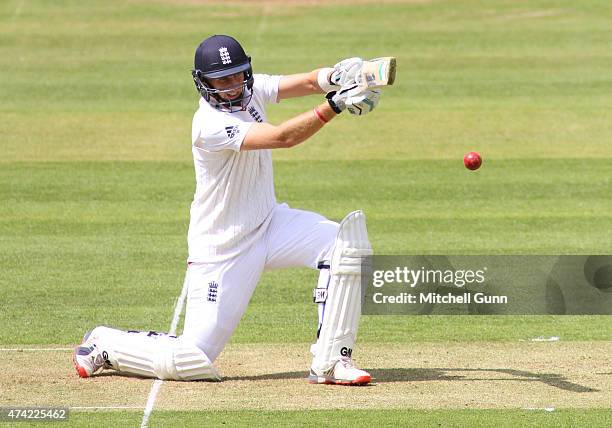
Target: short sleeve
x=216 y=135
x=267 y=87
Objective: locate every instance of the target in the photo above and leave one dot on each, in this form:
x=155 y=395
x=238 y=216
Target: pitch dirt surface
x=272 y=377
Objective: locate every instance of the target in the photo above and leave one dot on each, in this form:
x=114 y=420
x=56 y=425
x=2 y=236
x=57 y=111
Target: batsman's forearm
x=298 y=129
x=299 y=85
x=289 y=133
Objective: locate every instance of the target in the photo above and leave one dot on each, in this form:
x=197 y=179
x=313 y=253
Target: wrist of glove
x=357 y=100
x=337 y=105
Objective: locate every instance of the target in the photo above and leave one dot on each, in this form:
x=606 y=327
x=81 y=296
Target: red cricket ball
x=472 y=160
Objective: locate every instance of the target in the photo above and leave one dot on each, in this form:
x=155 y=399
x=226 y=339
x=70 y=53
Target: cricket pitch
x=423 y=376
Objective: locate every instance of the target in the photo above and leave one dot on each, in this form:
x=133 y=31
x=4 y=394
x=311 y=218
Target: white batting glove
x=354 y=99
x=345 y=72
x=363 y=103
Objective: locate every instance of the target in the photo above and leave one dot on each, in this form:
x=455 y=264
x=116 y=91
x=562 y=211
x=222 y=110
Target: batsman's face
x=232 y=84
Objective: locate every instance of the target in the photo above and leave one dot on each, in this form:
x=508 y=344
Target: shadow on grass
x=441 y=374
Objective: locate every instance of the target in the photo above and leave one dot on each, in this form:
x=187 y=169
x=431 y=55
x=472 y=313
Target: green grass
x=421 y=418
x=96 y=176
x=331 y=418
x=87 y=243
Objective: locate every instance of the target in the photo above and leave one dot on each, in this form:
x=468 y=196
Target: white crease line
x=178 y=308
x=546 y=409
x=545 y=339
x=34 y=349
x=151 y=402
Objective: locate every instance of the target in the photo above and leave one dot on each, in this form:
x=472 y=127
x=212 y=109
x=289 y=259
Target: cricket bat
x=376 y=72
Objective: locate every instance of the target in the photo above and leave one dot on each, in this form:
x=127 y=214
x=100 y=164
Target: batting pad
x=155 y=355
x=343 y=300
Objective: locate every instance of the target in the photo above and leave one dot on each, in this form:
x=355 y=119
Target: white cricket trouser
x=219 y=293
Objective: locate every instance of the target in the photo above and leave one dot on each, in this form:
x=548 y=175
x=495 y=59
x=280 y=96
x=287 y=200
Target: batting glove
x=354 y=99
x=345 y=72
x=363 y=103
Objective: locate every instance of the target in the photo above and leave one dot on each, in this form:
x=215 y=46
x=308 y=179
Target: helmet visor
x=227 y=71
x=225 y=90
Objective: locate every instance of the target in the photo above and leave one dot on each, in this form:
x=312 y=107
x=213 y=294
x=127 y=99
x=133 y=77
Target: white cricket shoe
x=343 y=372
x=87 y=358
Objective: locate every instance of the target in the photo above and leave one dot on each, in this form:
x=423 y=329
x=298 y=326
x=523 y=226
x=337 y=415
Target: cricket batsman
x=238 y=229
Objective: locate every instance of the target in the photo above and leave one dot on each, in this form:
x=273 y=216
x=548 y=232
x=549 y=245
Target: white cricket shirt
x=234 y=194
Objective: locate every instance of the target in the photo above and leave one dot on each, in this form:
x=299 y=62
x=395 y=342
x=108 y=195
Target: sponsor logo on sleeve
x=255 y=114
x=232 y=131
